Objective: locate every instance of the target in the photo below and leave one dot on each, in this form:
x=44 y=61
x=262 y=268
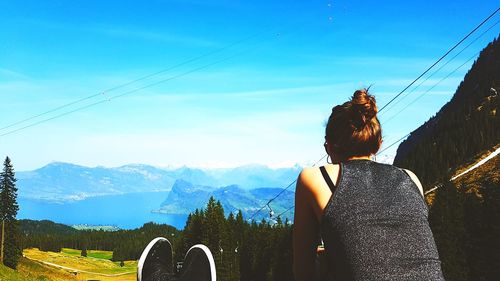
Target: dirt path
x=479 y=163
x=74 y=270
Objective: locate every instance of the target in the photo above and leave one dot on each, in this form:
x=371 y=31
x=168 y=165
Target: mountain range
x=65 y=182
x=130 y=195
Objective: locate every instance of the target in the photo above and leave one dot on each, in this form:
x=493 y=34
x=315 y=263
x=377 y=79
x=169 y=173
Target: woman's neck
x=359 y=158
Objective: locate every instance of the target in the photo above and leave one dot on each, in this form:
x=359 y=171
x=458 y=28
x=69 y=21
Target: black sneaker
x=199 y=265
x=155 y=262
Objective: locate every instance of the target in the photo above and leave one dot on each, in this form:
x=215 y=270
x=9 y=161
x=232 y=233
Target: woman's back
x=375 y=226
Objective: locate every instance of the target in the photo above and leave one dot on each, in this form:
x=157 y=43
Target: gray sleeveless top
x=375 y=226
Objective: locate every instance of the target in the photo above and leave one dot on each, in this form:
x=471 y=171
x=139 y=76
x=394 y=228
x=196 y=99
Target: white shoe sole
x=144 y=254
x=211 y=261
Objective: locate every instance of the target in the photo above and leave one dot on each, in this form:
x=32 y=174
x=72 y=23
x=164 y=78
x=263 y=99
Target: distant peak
x=61 y=164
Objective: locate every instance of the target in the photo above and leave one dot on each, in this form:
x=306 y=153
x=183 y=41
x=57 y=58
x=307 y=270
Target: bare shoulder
x=310 y=177
x=415 y=180
x=307 y=174
x=312 y=192
x=307 y=177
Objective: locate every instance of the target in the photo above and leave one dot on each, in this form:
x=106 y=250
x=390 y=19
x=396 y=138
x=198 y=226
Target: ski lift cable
x=440 y=68
x=125 y=93
x=428 y=90
x=441 y=58
x=281 y=192
x=266 y=30
x=282 y=213
x=219 y=50
x=135 y=90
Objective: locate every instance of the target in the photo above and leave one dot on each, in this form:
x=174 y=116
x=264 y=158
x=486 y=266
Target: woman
x=372 y=217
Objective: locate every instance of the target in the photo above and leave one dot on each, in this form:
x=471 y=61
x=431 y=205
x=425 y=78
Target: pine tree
x=84 y=252
x=11 y=244
x=215 y=236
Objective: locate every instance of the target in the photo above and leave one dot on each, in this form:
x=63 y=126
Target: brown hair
x=353 y=128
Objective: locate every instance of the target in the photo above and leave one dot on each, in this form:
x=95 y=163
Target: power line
x=441 y=58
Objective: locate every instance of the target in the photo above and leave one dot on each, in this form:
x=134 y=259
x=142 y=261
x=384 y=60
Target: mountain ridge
x=232 y=197
x=462 y=128
x=64 y=182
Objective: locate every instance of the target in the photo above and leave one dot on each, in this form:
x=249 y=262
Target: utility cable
x=126 y=93
x=274 y=31
x=282 y=191
x=441 y=67
x=440 y=59
x=219 y=50
x=428 y=90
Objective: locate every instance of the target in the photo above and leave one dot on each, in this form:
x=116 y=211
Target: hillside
x=232 y=198
x=464 y=127
x=45 y=227
x=32 y=271
x=488 y=172
x=465 y=219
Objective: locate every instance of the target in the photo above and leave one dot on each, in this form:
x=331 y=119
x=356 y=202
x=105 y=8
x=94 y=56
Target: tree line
x=125 y=244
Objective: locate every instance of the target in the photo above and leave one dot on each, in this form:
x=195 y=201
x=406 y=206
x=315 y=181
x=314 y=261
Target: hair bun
x=364 y=103
x=353 y=128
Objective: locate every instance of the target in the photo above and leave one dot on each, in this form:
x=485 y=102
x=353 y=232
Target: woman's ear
x=328 y=148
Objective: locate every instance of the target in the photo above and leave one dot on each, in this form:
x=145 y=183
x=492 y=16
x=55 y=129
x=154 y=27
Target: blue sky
x=276 y=69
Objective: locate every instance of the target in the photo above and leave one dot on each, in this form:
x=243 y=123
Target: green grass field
x=105 y=255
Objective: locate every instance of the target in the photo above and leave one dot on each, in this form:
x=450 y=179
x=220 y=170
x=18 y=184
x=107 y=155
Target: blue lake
x=126 y=211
